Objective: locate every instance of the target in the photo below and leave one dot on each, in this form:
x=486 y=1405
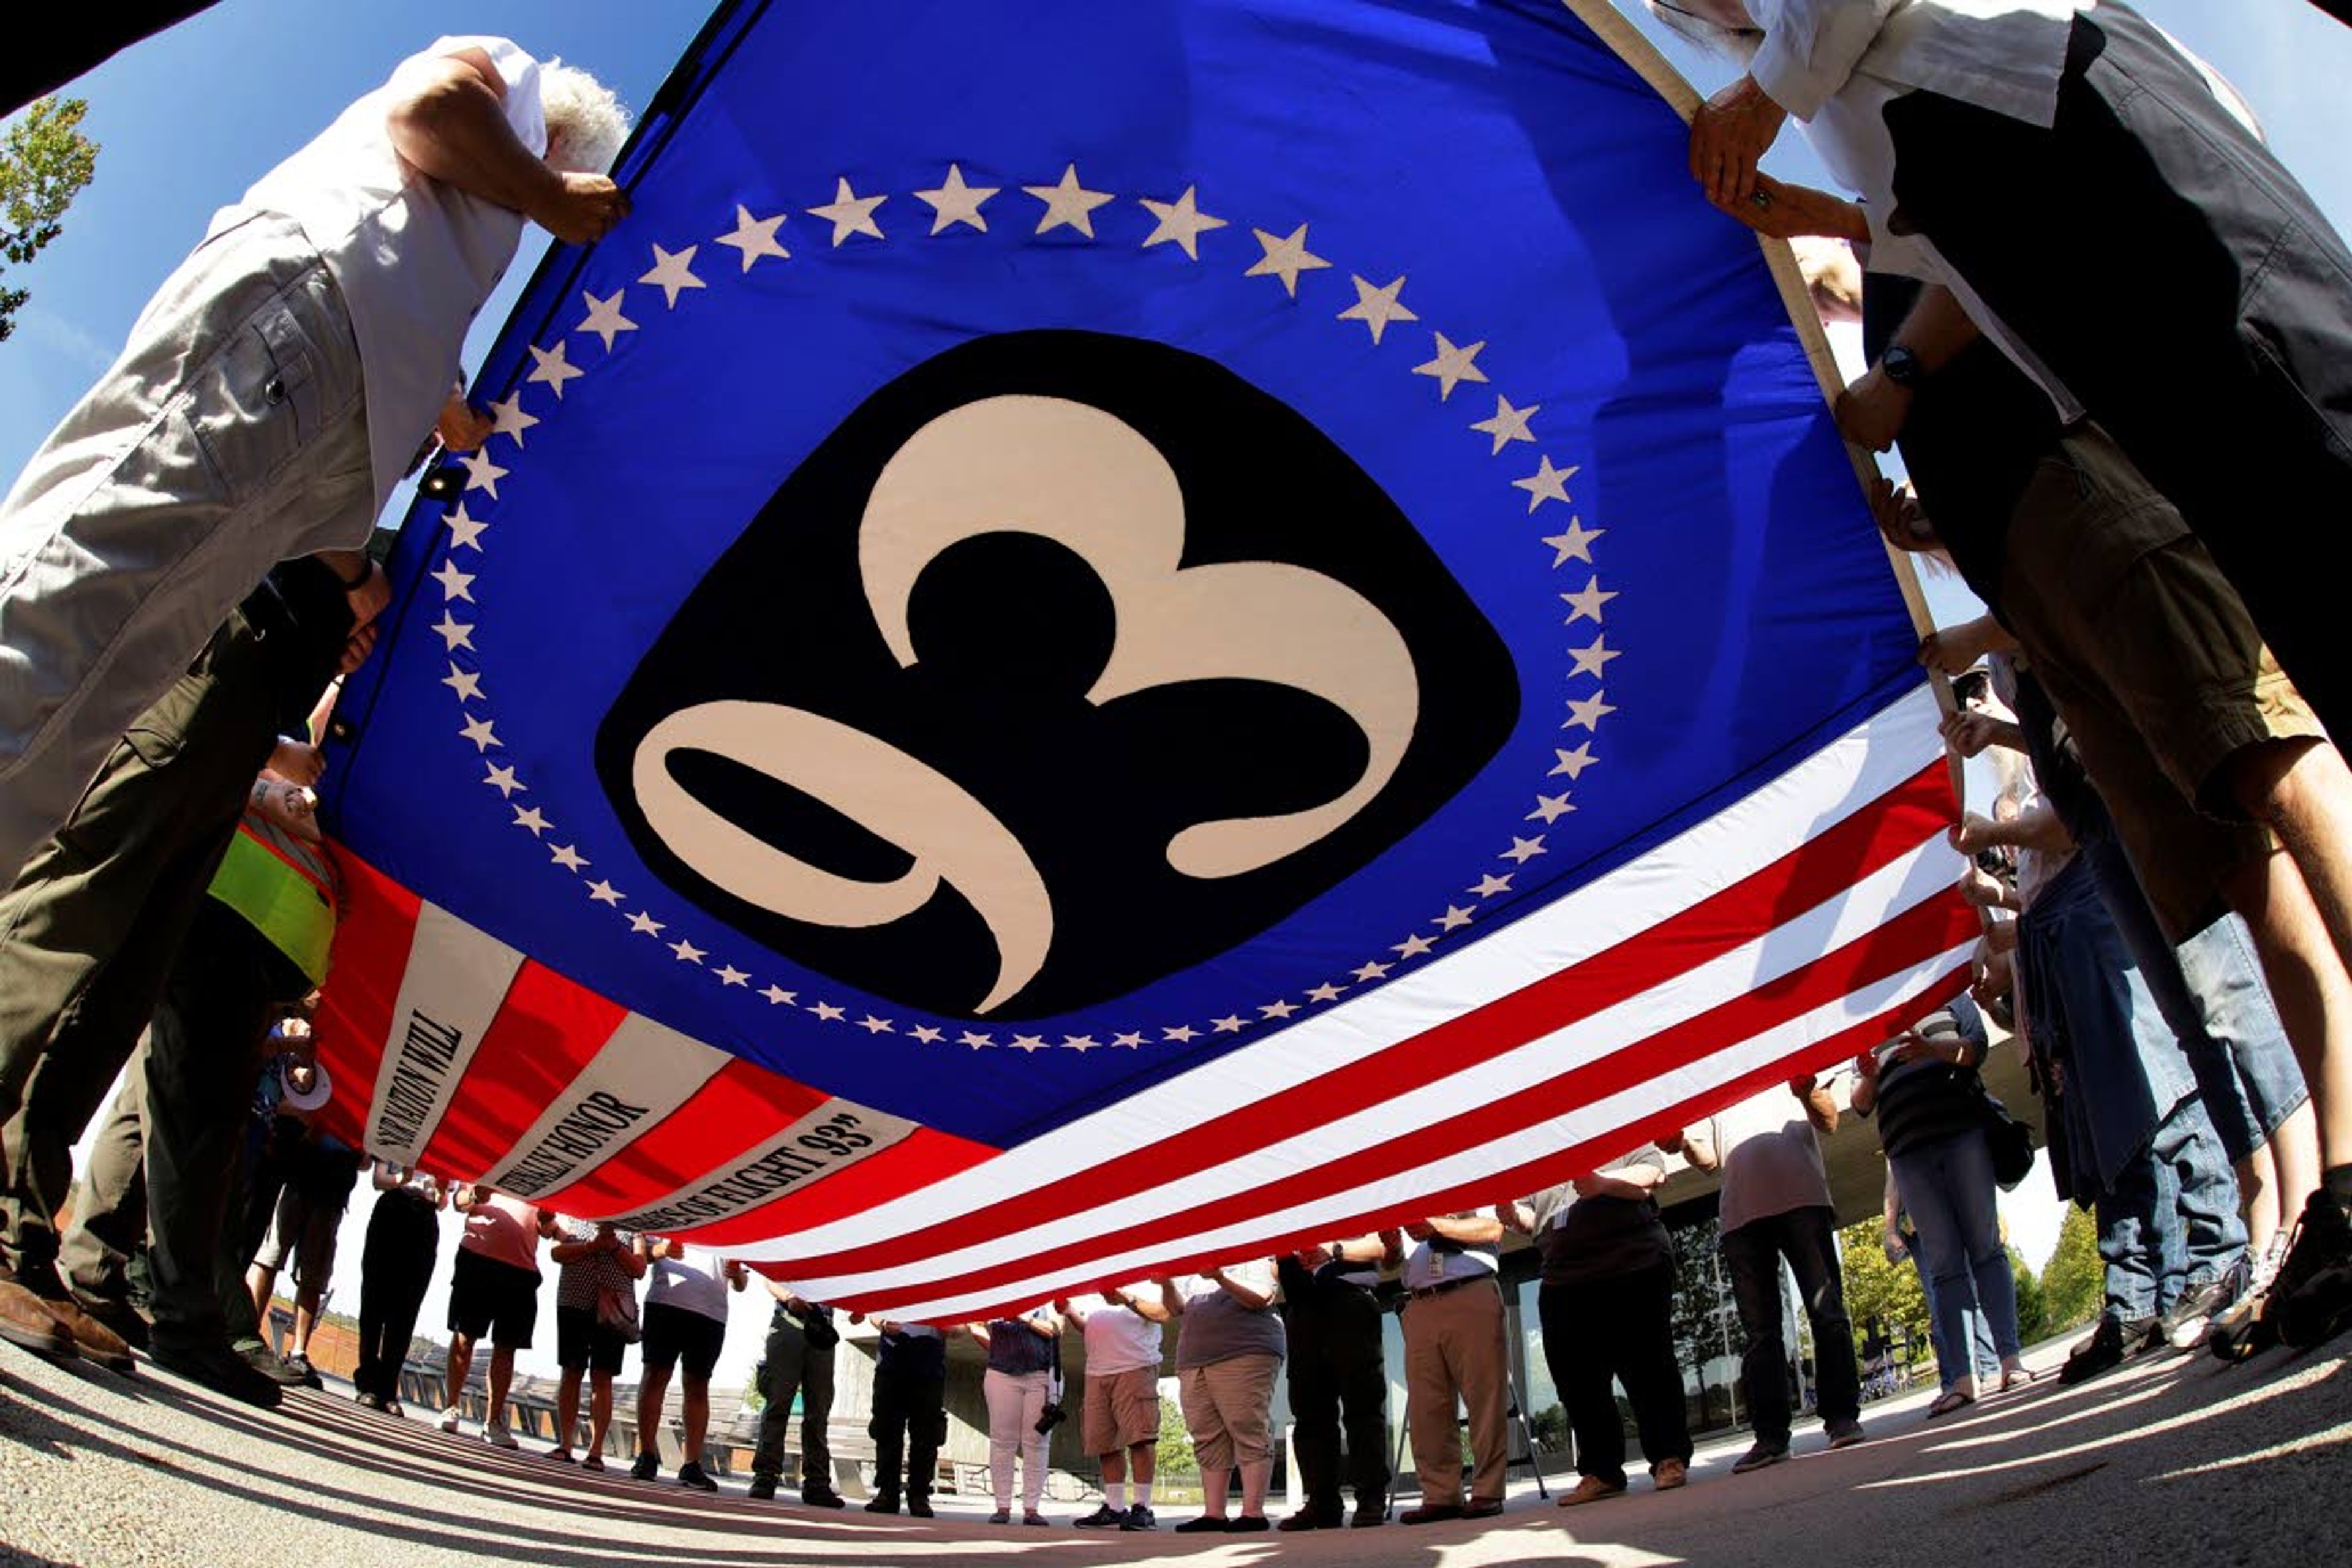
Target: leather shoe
x=821 y=1496
x=1483 y=1508
x=119 y=1315
x=95 y=1340
x=1435 y=1514
x=26 y=1322
x=1368 y=1514
x=1308 y=1519
x=220 y=1369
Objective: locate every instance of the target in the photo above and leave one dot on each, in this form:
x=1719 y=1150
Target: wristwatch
x=1901 y=366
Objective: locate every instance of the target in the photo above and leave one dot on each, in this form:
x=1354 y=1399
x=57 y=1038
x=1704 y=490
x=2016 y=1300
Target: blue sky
x=189 y=118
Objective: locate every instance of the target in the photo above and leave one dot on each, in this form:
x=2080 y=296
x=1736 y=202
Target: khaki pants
x=1228 y=1409
x=1454 y=1346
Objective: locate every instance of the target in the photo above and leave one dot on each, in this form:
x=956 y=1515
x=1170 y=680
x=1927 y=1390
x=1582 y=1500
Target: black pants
x=1339 y=1383
x=1753 y=1253
x=2172 y=273
x=909 y=1417
x=1620 y=1329
x=403 y=1237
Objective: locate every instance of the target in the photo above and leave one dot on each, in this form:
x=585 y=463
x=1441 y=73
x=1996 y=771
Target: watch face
x=1901 y=366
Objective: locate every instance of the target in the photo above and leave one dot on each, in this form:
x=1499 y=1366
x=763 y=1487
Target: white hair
x=585 y=123
x=1736 y=44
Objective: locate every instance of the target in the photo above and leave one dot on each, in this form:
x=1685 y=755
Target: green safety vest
x=285 y=888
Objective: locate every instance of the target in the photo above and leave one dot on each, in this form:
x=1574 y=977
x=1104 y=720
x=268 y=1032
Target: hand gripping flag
x=1106 y=635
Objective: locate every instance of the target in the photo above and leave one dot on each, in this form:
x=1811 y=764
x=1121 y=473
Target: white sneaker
x=450 y=1419
x=500 y=1438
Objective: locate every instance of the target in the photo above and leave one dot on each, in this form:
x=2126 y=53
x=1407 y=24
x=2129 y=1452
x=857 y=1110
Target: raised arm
x=448 y=123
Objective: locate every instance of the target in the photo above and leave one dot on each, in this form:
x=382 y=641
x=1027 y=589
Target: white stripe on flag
x=1822 y=791
x=1925 y=873
x=642 y=1074
x=456 y=981
x=833 y=1136
x=1404 y=1187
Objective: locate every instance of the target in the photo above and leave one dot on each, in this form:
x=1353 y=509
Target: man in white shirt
x=1125 y=1330
x=1454 y=1350
x=686 y=1319
x=272 y=393
x=2009 y=147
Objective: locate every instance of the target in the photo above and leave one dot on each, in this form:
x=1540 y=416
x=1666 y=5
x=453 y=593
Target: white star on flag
x=1181 y=1034
x=730 y=975
x=455 y=634
x=1285 y=258
x=1453 y=919
x=1549 y=808
x=644 y=925
x=1576 y=542
x=1278 y=1009
x=508 y=420
x=455 y=585
x=928 y=1034
x=955 y=201
x=1181 y=222
x=1131 y=1040
x=1586 y=601
x=530 y=818
x=756 y=236
x=1593 y=658
x=1079 y=1043
x=605 y=317
x=1452 y=365
x=828 y=1012
x=671 y=272
x=554 y=368
x=604 y=893
x=481 y=474
x=1588 y=711
x=686 y=952
x=1230 y=1023
x=1489 y=885
x=1030 y=1042
x=465 y=683
x=501 y=778
x=976 y=1041
x=1573 y=764
x=1376 y=308
x=465 y=532
x=1412 y=946
x=1508 y=425
x=1069 y=204
x=1369 y=973
x=849 y=212
x=1546 y=483
x=1326 y=992
x=1523 y=850
x=478 y=730
x=778 y=996
x=568 y=856
x=874 y=1025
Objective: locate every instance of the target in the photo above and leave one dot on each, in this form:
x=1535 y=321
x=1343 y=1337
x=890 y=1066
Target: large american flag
x=1091 y=649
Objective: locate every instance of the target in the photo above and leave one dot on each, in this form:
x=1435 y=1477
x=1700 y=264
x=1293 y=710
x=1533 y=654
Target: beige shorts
x=2151 y=656
x=1229 y=1408
x=1122 y=1409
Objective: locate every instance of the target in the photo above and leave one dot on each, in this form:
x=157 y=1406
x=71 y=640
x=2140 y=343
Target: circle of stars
x=1065 y=210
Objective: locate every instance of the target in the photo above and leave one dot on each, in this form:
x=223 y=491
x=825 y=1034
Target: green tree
x=1175 y=1456
x=2074 y=1282
x=2033 y=1311
x=1878 y=1290
x=45 y=161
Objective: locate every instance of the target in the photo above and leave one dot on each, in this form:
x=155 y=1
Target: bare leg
x=261 y=1284
x=651 y=1389
x=2294 y=1148
x=1213 y=1488
x=694 y=1414
x=1255 y=1474
x=567 y=1405
x=460 y=1362
x=600 y=1410
x=2257 y=1176
x=501 y=1378
x=2304 y=791
x=306 y=1319
x=2309 y=985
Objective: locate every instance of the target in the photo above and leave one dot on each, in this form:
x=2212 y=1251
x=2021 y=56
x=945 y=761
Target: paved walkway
x=2178 y=1460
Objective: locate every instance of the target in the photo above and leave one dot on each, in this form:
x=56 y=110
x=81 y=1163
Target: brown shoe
x=93 y=1339
x=26 y=1322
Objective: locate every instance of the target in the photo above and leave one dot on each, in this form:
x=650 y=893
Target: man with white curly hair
x=273 y=390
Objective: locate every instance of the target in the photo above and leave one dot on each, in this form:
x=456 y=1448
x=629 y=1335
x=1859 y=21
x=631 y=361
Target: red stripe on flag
x=1911 y=938
x=924 y=1156
x=741 y=1107
x=1809 y=876
x=370 y=956
x=546 y=1032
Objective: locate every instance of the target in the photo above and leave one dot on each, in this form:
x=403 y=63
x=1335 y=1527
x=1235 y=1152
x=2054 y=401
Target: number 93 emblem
x=1067 y=662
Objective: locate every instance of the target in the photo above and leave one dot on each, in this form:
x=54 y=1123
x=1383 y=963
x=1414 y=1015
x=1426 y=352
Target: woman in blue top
x=1022 y=1354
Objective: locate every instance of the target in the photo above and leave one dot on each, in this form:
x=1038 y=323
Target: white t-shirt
x=1771 y=1160
x=413 y=258
x=693 y=1277
x=1120 y=1339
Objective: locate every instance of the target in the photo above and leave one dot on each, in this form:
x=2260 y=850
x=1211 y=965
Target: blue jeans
x=2169 y=1222
x=1949 y=1369
x=2212 y=992
x=1948 y=1187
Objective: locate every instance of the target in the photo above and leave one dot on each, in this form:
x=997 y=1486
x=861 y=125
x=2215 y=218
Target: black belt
x=1443 y=1286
